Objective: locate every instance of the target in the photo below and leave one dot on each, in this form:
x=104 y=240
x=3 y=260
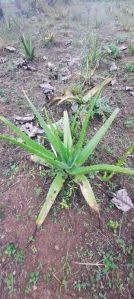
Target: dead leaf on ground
x=122 y=201
x=65 y=97
x=95 y=89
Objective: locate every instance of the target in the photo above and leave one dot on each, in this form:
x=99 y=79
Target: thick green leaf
x=87 y=191
x=54 y=190
x=53 y=139
x=33 y=150
x=67 y=132
x=85 y=124
x=120 y=162
x=91 y=145
x=100 y=167
x=26 y=139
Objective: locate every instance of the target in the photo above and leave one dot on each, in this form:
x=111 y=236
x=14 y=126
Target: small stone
x=113 y=67
x=20 y=62
x=50 y=66
x=3 y=59
x=74 y=107
x=10 y=49
x=29 y=68
x=113 y=82
x=56 y=247
x=34 y=287
x=47 y=88
x=132 y=93
x=45 y=58
x=129 y=88
x=74 y=63
x=122 y=48
x=68 y=42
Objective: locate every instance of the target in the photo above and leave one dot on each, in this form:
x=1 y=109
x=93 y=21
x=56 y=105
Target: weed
x=34 y=249
x=2 y=92
x=49 y=275
x=38 y=191
x=76 y=90
x=34 y=277
x=102 y=107
x=10 y=249
x=9 y=281
x=122 y=39
x=126 y=249
x=128 y=123
x=131 y=49
x=108 y=149
x=49 y=41
x=64 y=204
x=20 y=256
x=31 y=239
x=55 y=213
x=18 y=217
x=28 y=290
x=28 y=48
x=115 y=52
x=108 y=262
x=66 y=158
x=113 y=225
x=130 y=67
x=79 y=285
x=66 y=271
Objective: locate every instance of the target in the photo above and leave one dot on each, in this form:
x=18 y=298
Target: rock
x=56 y=247
x=132 y=93
x=50 y=66
x=34 y=287
x=24 y=119
x=45 y=58
x=122 y=48
x=10 y=49
x=29 y=68
x=65 y=78
x=31 y=130
x=113 y=67
x=113 y=82
x=3 y=59
x=20 y=62
x=74 y=107
x=128 y=88
x=68 y=42
x=47 y=88
x=74 y=63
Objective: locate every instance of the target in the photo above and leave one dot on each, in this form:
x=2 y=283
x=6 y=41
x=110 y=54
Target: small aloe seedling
x=28 y=48
x=67 y=157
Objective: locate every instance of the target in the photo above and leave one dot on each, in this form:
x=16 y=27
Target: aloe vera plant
x=66 y=156
x=28 y=48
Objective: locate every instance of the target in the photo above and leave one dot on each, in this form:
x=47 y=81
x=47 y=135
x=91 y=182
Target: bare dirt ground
x=61 y=261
